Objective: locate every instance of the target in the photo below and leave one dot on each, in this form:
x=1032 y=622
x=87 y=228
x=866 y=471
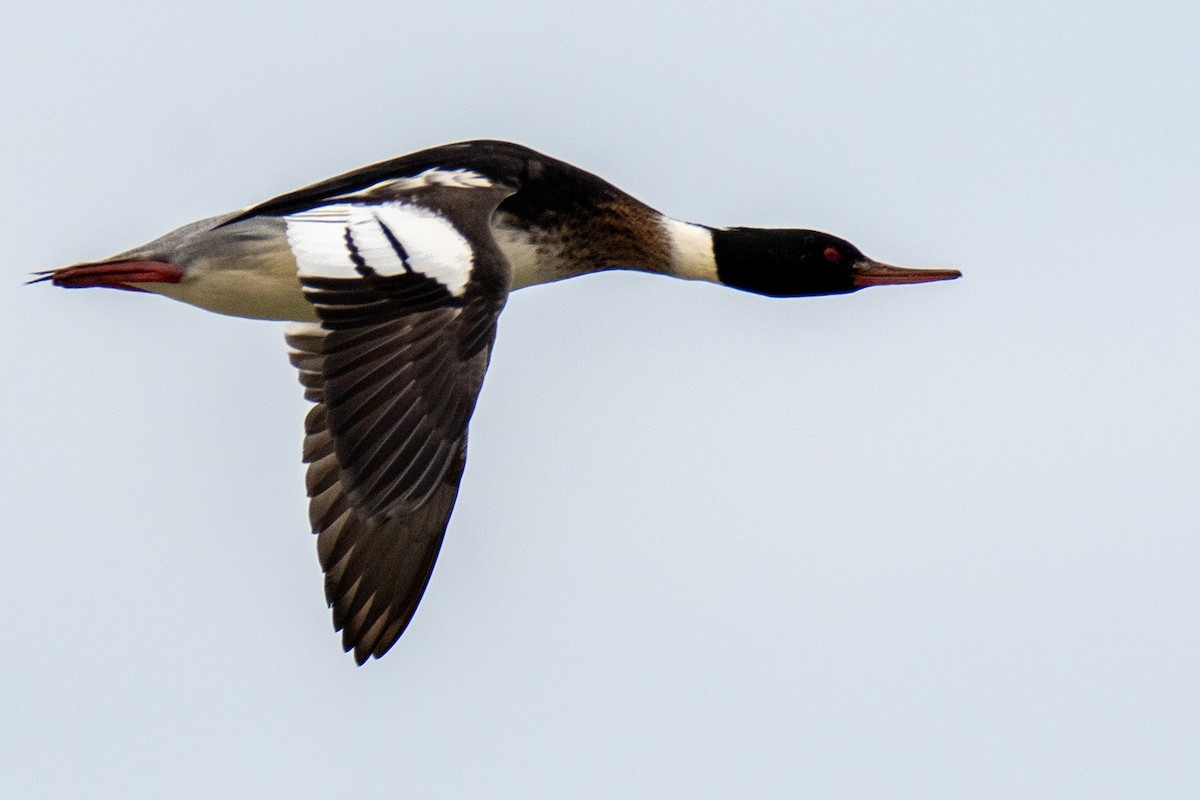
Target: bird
x=391 y=278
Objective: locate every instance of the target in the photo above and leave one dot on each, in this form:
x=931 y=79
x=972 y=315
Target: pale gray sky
x=933 y=541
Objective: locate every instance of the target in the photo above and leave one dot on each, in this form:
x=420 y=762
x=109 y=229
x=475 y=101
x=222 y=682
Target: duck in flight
x=393 y=276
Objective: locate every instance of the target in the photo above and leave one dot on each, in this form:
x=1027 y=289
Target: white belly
x=263 y=286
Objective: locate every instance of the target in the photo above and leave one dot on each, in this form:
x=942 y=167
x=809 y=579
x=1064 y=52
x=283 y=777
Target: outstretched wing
x=464 y=163
x=407 y=282
x=550 y=190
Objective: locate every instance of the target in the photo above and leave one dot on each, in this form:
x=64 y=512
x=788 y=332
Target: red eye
x=832 y=255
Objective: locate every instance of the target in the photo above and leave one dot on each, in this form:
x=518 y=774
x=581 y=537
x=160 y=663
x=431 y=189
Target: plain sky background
x=932 y=541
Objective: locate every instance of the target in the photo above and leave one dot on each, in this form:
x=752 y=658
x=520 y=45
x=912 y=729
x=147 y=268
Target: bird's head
x=791 y=262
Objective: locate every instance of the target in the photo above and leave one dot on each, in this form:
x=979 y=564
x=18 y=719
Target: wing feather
x=394 y=367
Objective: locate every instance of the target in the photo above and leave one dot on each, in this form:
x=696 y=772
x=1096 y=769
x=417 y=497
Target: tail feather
x=111 y=274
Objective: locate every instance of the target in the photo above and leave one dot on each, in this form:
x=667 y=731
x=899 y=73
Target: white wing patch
x=354 y=240
x=458 y=178
x=434 y=176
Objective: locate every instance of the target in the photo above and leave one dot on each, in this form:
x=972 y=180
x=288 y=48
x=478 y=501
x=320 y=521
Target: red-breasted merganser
x=393 y=276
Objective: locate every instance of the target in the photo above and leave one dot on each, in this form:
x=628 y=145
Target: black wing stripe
x=401 y=253
x=356 y=258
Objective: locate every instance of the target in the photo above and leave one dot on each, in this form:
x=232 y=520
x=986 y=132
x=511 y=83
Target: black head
x=790 y=262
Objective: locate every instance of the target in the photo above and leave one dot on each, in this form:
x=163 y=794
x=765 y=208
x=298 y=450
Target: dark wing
x=407 y=286
x=498 y=162
x=550 y=190
x=376 y=568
